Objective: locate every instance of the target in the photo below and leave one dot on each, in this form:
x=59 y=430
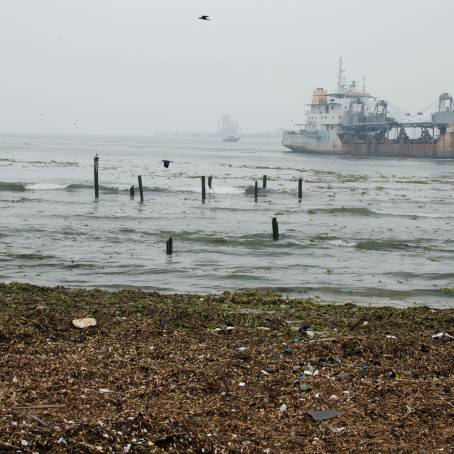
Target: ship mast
x=340 y=75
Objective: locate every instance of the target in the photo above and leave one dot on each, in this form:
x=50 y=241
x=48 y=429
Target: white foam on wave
x=44 y=186
x=226 y=190
x=214 y=189
x=341 y=243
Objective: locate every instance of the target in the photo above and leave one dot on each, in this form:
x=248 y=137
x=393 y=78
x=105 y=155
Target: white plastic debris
x=62 y=441
x=333 y=397
x=337 y=430
x=365 y=323
x=83 y=323
x=127 y=448
x=242 y=349
x=283 y=408
x=390 y=336
x=443 y=337
x=104 y=390
x=241 y=383
x=24 y=443
x=15 y=380
x=309 y=370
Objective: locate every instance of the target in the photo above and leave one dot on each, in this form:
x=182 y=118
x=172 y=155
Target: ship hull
x=443 y=148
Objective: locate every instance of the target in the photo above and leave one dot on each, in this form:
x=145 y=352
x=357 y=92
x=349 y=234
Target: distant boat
x=228 y=129
x=231 y=139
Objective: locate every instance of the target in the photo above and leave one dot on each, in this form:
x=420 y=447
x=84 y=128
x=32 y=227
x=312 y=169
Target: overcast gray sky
x=140 y=66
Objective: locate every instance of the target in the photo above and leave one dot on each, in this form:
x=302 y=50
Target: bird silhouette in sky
x=203 y=17
x=166 y=163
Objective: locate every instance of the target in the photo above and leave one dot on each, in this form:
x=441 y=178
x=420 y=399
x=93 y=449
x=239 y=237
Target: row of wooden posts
x=169 y=243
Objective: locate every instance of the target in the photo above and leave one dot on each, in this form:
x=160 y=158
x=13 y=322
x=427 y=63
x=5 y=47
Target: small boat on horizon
x=231 y=139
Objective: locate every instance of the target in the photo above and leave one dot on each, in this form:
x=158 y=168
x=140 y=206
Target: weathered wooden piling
x=203 y=189
x=264 y=181
x=140 y=187
x=131 y=191
x=169 y=246
x=275 y=229
x=300 y=188
x=256 y=190
x=210 y=180
x=96 y=169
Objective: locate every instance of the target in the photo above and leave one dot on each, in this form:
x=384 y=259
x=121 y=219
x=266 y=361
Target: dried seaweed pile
x=227 y=373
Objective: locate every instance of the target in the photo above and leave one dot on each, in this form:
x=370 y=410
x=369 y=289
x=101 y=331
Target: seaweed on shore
x=219 y=373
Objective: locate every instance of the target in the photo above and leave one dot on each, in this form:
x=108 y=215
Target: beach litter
x=310 y=371
x=185 y=380
x=83 y=323
x=323 y=415
x=443 y=337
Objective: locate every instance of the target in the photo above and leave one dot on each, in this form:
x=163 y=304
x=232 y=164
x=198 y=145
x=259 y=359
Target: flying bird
x=166 y=163
x=204 y=17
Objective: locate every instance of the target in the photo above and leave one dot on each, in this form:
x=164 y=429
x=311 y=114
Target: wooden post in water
x=131 y=192
x=210 y=180
x=203 y=189
x=169 y=246
x=140 y=187
x=264 y=181
x=256 y=190
x=96 y=168
x=300 y=189
x=275 y=229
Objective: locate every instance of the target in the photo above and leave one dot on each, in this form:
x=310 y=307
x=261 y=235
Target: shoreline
x=166 y=372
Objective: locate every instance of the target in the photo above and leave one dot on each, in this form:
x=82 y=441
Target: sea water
x=369 y=230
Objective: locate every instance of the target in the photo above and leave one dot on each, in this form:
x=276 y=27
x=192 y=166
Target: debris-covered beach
x=234 y=372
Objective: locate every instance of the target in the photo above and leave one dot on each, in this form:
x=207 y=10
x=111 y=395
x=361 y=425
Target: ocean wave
x=383 y=245
x=361 y=211
x=249 y=190
x=355 y=211
x=11 y=186
x=51 y=163
x=31 y=256
x=47 y=186
x=416 y=215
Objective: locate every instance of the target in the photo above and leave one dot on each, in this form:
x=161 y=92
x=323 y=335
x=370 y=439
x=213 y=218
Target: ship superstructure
x=349 y=120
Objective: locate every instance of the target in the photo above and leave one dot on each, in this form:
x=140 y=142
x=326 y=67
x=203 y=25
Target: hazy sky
x=140 y=66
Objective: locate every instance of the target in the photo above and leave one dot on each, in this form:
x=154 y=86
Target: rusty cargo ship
x=350 y=121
